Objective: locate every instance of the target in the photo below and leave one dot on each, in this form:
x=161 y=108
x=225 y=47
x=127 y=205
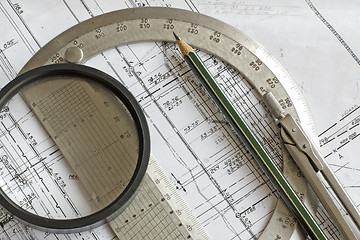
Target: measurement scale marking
x=157 y=212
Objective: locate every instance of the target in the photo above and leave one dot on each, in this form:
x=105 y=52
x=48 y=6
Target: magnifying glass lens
x=71 y=148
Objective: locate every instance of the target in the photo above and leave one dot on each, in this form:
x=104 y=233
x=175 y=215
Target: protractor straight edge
x=217 y=38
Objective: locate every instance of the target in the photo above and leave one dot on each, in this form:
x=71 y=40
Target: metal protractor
x=244 y=55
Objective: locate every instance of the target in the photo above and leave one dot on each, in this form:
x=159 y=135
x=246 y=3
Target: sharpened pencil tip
x=176 y=36
x=184 y=47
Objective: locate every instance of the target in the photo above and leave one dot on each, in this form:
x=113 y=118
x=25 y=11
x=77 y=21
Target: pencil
x=253 y=145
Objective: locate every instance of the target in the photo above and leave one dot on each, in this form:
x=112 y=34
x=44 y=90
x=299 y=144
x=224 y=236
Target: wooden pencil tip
x=176 y=37
x=184 y=47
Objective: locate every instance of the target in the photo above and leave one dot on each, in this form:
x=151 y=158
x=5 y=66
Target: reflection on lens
x=69 y=141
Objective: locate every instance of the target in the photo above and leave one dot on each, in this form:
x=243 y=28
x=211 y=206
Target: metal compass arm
x=313 y=166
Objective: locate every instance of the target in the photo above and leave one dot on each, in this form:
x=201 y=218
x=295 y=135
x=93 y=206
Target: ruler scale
x=73 y=114
x=157 y=212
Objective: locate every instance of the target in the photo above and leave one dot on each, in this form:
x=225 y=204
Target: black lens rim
x=119 y=204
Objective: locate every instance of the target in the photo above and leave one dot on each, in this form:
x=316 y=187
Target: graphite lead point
x=184 y=47
x=176 y=36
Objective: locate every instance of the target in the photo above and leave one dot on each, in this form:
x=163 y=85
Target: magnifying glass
x=99 y=152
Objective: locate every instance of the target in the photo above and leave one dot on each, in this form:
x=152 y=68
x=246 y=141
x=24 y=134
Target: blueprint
x=316 y=41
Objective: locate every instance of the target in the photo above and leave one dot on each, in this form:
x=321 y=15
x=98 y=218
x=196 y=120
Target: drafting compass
x=267 y=78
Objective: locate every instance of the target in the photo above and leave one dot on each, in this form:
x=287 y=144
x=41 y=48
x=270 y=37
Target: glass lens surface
x=79 y=147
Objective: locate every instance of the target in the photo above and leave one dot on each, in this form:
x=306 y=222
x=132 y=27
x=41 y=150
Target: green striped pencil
x=238 y=124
